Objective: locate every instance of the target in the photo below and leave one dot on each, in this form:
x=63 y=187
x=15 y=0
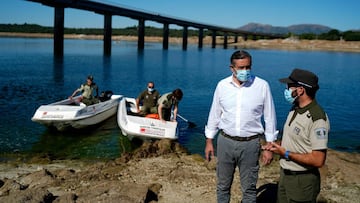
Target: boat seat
x=105 y=95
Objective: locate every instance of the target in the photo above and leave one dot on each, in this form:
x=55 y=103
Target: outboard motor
x=105 y=95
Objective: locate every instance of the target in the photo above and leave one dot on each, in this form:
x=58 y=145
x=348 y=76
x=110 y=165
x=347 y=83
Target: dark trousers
x=166 y=114
x=90 y=101
x=302 y=188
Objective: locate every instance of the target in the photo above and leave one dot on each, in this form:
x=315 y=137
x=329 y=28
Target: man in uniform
x=148 y=98
x=167 y=102
x=304 y=142
x=88 y=89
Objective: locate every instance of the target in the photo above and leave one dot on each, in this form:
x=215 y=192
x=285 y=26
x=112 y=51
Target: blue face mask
x=243 y=75
x=150 y=89
x=288 y=96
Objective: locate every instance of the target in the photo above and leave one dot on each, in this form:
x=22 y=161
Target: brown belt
x=311 y=171
x=239 y=138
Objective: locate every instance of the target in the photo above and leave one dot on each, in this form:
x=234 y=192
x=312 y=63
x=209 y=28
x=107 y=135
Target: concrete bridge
x=110 y=10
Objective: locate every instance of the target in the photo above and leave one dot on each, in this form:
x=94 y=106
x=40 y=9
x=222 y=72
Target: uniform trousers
x=302 y=188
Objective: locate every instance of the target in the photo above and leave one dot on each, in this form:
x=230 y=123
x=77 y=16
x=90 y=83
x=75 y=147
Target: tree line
x=332 y=35
x=128 y=31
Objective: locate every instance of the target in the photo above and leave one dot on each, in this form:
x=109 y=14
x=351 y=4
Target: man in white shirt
x=239 y=103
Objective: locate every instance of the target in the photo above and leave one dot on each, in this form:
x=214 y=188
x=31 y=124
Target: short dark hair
x=311 y=92
x=178 y=94
x=240 y=54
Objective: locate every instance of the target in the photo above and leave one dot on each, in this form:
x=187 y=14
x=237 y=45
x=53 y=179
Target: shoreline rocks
x=160 y=171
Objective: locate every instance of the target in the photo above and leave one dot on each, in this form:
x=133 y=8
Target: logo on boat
x=151 y=130
x=45 y=115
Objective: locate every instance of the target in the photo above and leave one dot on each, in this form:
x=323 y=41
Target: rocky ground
x=160 y=171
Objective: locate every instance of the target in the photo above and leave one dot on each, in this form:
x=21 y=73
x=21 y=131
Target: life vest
x=153 y=115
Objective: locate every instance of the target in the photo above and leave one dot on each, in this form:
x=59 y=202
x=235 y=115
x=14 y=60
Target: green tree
x=351 y=36
x=331 y=35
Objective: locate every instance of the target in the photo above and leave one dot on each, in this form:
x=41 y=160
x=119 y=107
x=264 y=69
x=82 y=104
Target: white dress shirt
x=237 y=110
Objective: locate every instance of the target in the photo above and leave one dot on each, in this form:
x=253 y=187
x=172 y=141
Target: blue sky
x=342 y=15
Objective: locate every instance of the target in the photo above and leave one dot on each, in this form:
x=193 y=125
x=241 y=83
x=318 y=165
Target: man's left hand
x=267 y=157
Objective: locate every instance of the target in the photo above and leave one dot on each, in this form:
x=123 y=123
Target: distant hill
x=296 y=29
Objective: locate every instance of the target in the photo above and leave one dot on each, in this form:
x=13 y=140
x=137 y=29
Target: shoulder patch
x=321 y=133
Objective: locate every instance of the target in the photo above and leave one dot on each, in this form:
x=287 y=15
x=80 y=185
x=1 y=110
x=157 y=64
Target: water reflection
x=139 y=65
x=31 y=76
x=94 y=143
x=107 y=68
x=58 y=70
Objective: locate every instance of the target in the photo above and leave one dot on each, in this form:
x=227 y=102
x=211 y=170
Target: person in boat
x=88 y=89
x=168 y=102
x=148 y=98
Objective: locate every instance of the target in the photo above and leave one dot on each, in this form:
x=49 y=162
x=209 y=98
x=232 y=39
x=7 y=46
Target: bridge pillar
x=185 y=36
x=225 y=40
x=201 y=36
x=141 y=34
x=166 y=36
x=245 y=37
x=236 y=38
x=59 y=31
x=213 y=39
x=107 y=34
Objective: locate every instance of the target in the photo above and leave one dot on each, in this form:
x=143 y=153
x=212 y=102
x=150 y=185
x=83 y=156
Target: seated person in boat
x=148 y=98
x=167 y=102
x=88 y=89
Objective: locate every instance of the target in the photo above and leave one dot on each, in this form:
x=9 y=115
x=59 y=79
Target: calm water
x=31 y=76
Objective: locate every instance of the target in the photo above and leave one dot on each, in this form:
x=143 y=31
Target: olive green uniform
x=87 y=93
x=149 y=101
x=306 y=129
x=167 y=101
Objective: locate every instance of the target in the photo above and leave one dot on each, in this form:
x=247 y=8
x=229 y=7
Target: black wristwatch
x=286 y=155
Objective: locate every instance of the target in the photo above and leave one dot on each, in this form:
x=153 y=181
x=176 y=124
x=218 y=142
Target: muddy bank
x=282 y=44
x=162 y=171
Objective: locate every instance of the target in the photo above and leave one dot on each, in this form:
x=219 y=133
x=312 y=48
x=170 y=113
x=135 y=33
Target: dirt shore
x=160 y=171
x=285 y=44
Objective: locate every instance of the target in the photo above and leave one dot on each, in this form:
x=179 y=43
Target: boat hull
x=142 y=127
x=64 y=116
